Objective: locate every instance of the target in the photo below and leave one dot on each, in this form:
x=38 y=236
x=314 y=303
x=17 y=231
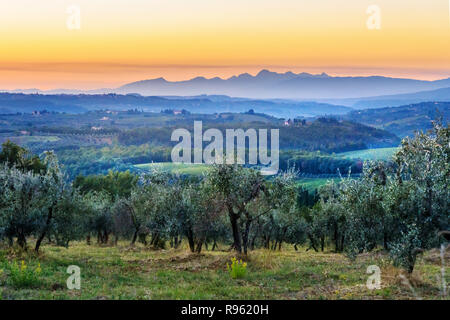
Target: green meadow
x=370 y=154
x=175 y=168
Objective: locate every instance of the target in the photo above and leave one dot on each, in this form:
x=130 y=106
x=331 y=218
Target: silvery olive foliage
x=400 y=206
x=249 y=200
x=33 y=203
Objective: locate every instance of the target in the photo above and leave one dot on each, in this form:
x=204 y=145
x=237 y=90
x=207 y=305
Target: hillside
x=403 y=99
x=96 y=141
x=404 y=120
x=325 y=134
x=26 y=103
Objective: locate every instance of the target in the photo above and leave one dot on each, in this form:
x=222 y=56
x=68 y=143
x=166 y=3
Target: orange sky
x=127 y=40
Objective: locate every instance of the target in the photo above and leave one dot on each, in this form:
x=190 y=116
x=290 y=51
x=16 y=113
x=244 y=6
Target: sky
x=120 y=41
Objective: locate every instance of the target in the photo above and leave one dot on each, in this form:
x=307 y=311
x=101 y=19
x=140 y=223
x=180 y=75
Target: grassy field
x=312 y=184
x=370 y=154
x=176 y=168
x=124 y=272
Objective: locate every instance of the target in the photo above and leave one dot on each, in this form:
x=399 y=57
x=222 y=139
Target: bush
x=24 y=276
x=238 y=269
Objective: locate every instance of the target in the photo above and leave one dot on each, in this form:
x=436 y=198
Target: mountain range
x=271 y=85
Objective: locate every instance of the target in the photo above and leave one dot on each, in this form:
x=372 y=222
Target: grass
x=123 y=272
x=370 y=154
x=311 y=184
x=176 y=168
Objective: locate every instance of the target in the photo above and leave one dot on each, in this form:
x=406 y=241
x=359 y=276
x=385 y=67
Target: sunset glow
x=122 y=41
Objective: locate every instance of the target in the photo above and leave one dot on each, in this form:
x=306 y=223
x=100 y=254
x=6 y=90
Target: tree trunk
x=105 y=237
x=133 y=240
x=336 y=238
x=191 y=242
x=22 y=241
x=267 y=242
x=235 y=228
x=342 y=243
x=274 y=245
x=245 y=235
x=385 y=241
x=312 y=243
x=253 y=243
x=46 y=227
x=199 y=246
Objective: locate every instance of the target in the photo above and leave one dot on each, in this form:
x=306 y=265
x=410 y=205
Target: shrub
x=23 y=276
x=238 y=269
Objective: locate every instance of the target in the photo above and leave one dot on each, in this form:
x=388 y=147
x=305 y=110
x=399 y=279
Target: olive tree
x=403 y=205
x=237 y=187
x=419 y=197
x=29 y=201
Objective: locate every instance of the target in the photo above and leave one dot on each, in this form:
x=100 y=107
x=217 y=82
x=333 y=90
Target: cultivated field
x=175 y=168
x=370 y=154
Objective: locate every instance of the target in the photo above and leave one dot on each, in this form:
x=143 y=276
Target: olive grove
x=400 y=206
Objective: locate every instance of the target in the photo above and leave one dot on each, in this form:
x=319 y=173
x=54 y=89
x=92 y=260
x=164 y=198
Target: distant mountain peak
x=265 y=72
x=199 y=78
x=160 y=79
x=244 y=76
x=266 y=84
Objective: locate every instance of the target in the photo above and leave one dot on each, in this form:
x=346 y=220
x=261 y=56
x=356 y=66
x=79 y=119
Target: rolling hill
x=26 y=103
x=442 y=94
x=404 y=120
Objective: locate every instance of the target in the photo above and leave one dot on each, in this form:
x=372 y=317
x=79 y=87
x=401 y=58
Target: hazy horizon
x=226 y=76
x=118 y=41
